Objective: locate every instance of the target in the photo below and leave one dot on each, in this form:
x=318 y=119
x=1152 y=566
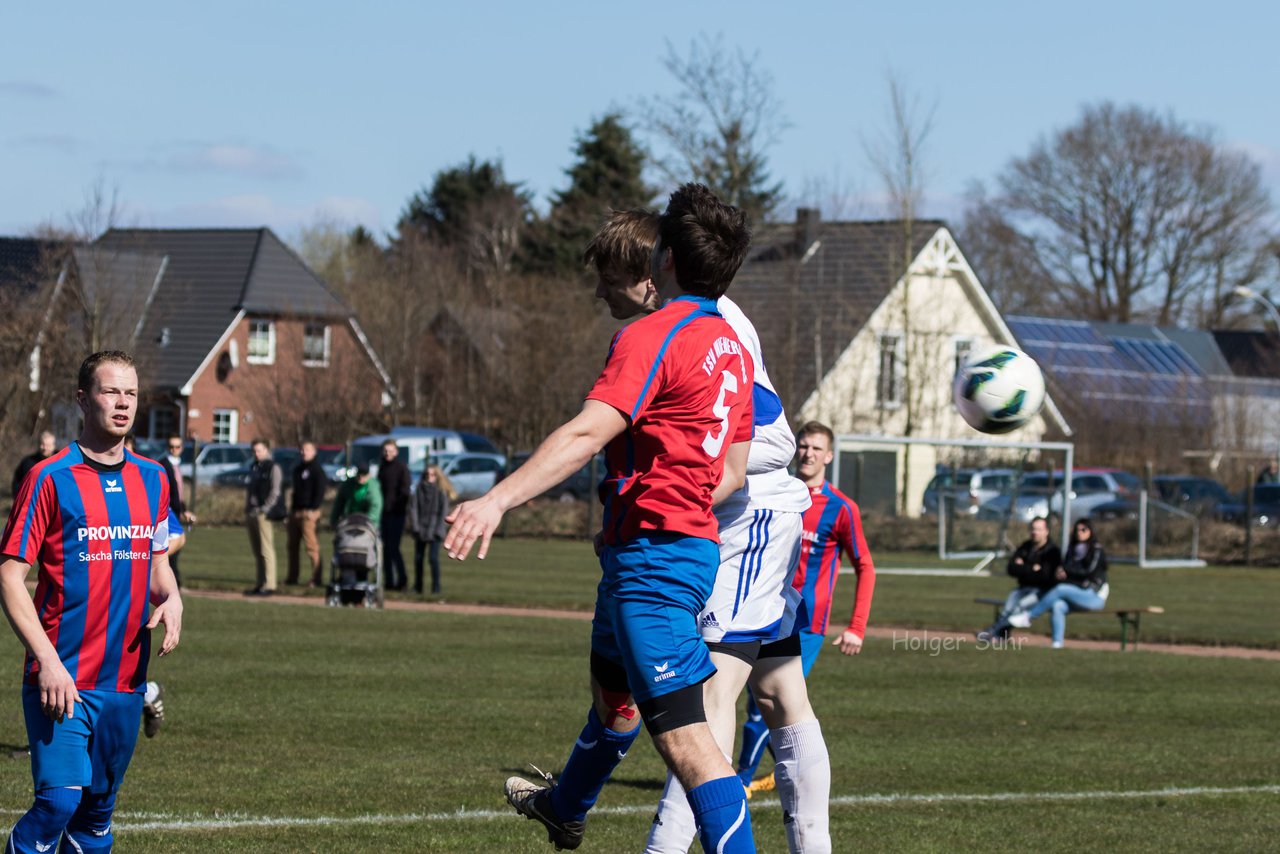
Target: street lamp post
x=1249 y=293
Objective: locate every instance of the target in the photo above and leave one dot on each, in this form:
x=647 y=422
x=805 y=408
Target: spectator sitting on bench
x=1035 y=567
x=1083 y=586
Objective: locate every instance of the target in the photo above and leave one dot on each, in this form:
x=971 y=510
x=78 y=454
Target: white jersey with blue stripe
x=769 y=485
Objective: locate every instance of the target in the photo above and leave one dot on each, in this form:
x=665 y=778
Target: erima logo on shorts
x=709 y=620
x=113 y=486
x=663 y=672
x=116 y=532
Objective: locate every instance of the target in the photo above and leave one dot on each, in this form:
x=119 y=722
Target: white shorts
x=753 y=598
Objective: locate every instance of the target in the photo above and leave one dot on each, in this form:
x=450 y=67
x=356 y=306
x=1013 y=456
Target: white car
x=215 y=458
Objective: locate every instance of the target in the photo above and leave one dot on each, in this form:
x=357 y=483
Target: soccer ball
x=998 y=389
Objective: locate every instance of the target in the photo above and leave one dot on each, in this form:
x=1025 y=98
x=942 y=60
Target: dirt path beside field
x=908 y=639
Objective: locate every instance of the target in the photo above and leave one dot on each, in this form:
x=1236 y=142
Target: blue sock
x=724 y=823
x=41 y=828
x=90 y=828
x=597 y=752
x=755 y=737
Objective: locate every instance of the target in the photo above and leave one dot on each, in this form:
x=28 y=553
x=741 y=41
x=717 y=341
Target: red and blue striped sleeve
x=33 y=512
x=854 y=544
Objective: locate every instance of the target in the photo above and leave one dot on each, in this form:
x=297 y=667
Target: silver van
x=418 y=445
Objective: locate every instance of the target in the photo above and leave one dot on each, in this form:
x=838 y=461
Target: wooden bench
x=1129 y=617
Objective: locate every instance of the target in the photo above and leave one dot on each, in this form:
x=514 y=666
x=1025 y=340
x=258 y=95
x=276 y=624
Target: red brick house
x=237 y=338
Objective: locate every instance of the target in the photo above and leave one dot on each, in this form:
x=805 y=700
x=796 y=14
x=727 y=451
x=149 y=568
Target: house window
x=262 y=342
x=225 y=422
x=889 y=387
x=164 y=422
x=315 y=345
x=964 y=346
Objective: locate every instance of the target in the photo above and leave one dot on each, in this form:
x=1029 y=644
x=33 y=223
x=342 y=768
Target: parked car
x=1091 y=488
x=1029 y=502
x=472 y=475
x=286 y=458
x=333 y=459
x=1266 y=507
x=152 y=449
x=972 y=488
x=214 y=459
x=578 y=486
x=417 y=444
x=1198 y=495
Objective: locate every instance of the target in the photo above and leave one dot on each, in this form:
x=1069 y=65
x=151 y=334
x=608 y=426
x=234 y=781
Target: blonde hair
x=442 y=481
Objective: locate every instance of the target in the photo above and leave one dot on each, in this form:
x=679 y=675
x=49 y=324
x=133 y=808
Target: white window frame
x=327 y=336
x=971 y=344
x=233 y=426
x=256 y=359
x=883 y=400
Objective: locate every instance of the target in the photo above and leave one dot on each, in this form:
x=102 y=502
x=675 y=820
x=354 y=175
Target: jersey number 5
x=714 y=444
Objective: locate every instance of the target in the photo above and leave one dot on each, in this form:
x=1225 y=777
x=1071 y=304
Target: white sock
x=673 y=829
x=803 y=777
x=153 y=691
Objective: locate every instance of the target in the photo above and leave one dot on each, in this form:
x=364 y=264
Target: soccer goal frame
x=984 y=558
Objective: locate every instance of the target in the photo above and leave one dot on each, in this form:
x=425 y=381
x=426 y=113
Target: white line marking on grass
x=138 y=821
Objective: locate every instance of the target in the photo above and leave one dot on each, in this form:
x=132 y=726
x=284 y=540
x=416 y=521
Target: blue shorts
x=810 y=646
x=175 y=525
x=647 y=609
x=91 y=750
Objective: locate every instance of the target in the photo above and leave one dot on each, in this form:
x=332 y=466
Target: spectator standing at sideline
x=172 y=462
x=47 y=445
x=87 y=643
x=309 y=483
x=396 y=484
x=262 y=497
x=431 y=502
x=1270 y=474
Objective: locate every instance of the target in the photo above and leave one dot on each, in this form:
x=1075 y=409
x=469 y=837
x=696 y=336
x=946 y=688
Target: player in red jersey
x=672 y=409
x=832 y=525
x=95 y=517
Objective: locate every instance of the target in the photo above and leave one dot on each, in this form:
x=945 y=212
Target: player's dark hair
x=173 y=436
x=386 y=442
x=1039 y=519
x=266 y=443
x=818 y=427
x=89 y=367
x=625 y=241
x=707 y=238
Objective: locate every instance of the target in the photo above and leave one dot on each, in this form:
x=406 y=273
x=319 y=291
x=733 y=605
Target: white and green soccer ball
x=998 y=389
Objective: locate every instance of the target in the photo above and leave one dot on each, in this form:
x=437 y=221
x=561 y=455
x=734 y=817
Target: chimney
x=807 y=220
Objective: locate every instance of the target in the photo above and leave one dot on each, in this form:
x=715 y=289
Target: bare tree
x=718 y=128
x=897 y=157
x=1130 y=215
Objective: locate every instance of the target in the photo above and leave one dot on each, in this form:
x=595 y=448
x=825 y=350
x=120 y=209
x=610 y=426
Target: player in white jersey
x=753 y=603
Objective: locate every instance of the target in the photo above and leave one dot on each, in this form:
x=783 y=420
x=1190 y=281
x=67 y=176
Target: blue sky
x=243 y=114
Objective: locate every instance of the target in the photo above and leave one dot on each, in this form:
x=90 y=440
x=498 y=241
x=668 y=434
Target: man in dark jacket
x=1034 y=566
x=309 y=483
x=393 y=477
x=48 y=444
x=262 y=497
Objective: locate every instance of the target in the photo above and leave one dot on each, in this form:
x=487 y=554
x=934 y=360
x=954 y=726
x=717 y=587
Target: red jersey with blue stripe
x=93 y=529
x=683 y=381
x=832 y=524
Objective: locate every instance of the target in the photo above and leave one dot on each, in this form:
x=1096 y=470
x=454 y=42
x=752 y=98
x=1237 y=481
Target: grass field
x=295 y=728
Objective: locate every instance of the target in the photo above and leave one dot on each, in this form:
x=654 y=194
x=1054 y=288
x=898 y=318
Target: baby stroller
x=355 y=574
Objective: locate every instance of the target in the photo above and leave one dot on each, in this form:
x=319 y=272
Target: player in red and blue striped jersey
x=95 y=518
x=832 y=525
x=673 y=410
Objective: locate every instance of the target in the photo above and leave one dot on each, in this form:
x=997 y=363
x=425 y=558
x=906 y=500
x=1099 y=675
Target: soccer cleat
x=1020 y=620
x=762 y=784
x=153 y=713
x=534 y=802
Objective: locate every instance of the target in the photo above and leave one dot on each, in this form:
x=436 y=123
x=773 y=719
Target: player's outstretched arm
x=167 y=601
x=58 y=694
x=562 y=453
